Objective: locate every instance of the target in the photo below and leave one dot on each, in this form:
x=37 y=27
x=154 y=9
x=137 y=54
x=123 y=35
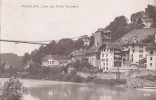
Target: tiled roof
x=140 y=44
x=56 y=57
x=103 y=30
x=137 y=34
x=62 y=61
x=113 y=46
x=93 y=49
x=151 y=46
x=47 y=57
x=78 y=52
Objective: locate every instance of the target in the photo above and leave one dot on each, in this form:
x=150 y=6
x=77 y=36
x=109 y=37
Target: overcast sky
x=37 y=24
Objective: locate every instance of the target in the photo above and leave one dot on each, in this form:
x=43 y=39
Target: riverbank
x=73 y=78
x=36 y=83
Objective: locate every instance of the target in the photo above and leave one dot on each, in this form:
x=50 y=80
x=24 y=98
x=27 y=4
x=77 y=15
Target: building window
x=140 y=51
x=151 y=64
x=106 y=60
x=103 y=60
x=140 y=46
x=133 y=50
x=106 y=68
x=150 y=58
x=106 y=55
x=103 y=64
x=106 y=64
x=132 y=57
x=151 y=52
x=140 y=56
x=133 y=46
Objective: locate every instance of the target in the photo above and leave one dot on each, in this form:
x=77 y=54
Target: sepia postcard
x=77 y=50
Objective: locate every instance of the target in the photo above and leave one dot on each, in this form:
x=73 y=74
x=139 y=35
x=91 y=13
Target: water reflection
x=85 y=92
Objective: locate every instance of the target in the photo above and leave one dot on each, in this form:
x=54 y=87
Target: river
x=72 y=91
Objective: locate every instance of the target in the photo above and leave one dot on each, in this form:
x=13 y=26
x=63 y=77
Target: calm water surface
x=85 y=92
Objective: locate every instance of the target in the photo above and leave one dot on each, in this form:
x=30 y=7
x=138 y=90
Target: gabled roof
x=113 y=46
x=137 y=34
x=103 y=30
x=78 y=52
x=93 y=49
x=105 y=37
x=151 y=46
x=139 y=44
x=56 y=57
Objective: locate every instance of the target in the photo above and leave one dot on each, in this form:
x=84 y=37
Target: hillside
x=13 y=59
x=138 y=34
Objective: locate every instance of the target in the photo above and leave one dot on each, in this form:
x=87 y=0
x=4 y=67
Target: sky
x=19 y=21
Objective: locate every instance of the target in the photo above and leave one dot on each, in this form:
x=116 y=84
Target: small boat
x=149 y=87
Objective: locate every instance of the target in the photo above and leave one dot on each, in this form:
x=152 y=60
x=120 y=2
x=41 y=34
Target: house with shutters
x=78 y=55
x=134 y=49
x=54 y=60
x=151 y=56
x=93 y=53
x=110 y=56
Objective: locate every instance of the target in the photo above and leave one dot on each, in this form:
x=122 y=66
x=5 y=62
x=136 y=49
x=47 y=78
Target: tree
x=34 y=69
x=137 y=19
x=118 y=27
x=2 y=65
x=80 y=65
x=91 y=42
x=64 y=47
x=12 y=90
x=50 y=49
x=135 y=16
x=151 y=12
x=78 y=44
x=26 y=58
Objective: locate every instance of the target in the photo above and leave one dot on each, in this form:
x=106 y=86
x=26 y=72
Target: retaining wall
x=139 y=83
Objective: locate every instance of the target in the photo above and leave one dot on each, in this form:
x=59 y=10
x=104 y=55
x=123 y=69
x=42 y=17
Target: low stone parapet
x=98 y=75
x=139 y=83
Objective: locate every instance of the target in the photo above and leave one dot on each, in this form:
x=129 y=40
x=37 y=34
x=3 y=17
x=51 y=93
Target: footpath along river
x=53 y=90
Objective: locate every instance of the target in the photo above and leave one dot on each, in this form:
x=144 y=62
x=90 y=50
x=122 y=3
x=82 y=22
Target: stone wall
x=139 y=83
x=98 y=75
x=106 y=76
x=143 y=72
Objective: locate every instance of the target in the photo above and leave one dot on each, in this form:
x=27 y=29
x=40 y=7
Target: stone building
x=110 y=56
x=54 y=60
x=151 y=56
x=93 y=54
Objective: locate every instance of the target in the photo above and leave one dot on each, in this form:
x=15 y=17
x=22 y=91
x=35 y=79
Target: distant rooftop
x=138 y=34
x=151 y=46
x=56 y=57
x=113 y=46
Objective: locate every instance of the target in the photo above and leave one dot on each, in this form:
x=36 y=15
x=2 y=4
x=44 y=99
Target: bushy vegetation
x=89 y=79
x=12 y=90
x=63 y=47
x=81 y=66
x=148 y=77
x=109 y=81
